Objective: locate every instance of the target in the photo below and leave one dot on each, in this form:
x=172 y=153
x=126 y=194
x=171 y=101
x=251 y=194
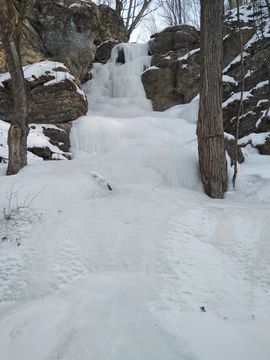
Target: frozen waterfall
x=116 y=88
x=115 y=92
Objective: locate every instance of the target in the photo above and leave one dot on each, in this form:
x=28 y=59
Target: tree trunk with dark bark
x=233 y=3
x=10 y=29
x=212 y=159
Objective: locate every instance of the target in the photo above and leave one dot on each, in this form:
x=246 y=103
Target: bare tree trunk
x=212 y=160
x=17 y=135
x=233 y=3
x=139 y=16
x=118 y=7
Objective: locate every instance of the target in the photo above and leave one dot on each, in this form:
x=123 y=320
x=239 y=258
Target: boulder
x=50 y=142
x=162 y=96
x=68 y=30
x=111 y=26
x=174 y=78
x=264 y=149
x=54 y=96
x=180 y=38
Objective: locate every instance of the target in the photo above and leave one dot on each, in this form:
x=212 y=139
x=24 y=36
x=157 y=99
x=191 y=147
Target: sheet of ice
x=116 y=85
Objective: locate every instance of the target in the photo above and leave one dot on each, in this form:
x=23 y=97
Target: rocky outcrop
x=50 y=142
x=111 y=26
x=264 y=149
x=174 y=77
x=67 y=31
x=179 y=39
x=104 y=50
x=59 y=41
x=53 y=95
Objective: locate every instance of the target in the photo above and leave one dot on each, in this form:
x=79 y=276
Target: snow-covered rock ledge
x=45 y=141
x=54 y=95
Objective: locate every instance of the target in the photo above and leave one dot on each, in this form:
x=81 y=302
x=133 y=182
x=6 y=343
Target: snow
x=236 y=97
x=229 y=79
x=262 y=101
x=151 y=68
x=228 y=136
x=264 y=113
x=3 y=142
x=262 y=84
x=3 y=139
x=246 y=14
x=263 y=29
x=117 y=86
x=236 y=60
x=254 y=138
x=78 y=5
x=187 y=55
x=122 y=274
x=36 y=138
x=57 y=70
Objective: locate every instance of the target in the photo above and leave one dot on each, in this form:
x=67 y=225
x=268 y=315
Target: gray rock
x=50 y=100
x=264 y=149
x=58 y=136
x=103 y=52
x=66 y=31
x=177 y=79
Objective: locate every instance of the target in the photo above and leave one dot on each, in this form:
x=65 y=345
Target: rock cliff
x=59 y=43
x=174 y=77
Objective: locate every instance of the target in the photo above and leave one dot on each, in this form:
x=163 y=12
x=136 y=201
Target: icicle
x=120 y=79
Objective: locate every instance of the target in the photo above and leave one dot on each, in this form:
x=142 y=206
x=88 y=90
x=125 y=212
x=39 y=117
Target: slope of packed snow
x=127 y=273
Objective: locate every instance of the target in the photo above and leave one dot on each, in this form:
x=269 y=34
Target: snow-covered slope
x=150 y=270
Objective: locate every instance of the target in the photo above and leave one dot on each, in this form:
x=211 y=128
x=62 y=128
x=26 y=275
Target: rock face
x=60 y=39
x=55 y=139
x=172 y=80
x=67 y=31
x=174 y=77
x=180 y=39
x=103 y=52
x=111 y=26
x=170 y=67
x=53 y=95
